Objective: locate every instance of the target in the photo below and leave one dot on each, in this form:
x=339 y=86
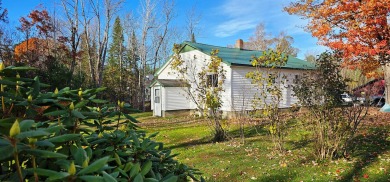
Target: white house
x=167 y=94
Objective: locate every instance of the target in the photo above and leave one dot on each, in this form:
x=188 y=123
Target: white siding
x=193 y=59
x=175 y=99
x=167 y=73
x=243 y=91
x=163 y=99
x=226 y=96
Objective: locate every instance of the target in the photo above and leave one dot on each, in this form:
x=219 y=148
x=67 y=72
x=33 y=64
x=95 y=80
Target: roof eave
x=236 y=64
x=153 y=83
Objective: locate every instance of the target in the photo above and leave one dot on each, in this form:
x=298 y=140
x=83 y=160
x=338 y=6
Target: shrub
x=269 y=94
x=332 y=124
x=70 y=135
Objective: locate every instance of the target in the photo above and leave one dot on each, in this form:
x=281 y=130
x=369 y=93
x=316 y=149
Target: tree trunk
x=220 y=134
x=386 y=69
x=120 y=71
x=74 y=30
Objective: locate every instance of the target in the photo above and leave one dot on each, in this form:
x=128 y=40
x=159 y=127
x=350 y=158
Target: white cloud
x=240 y=15
x=231 y=27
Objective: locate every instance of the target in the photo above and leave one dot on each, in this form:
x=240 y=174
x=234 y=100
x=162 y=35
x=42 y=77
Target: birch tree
x=283 y=43
x=161 y=33
x=71 y=9
x=192 y=24
x=102 y=27
x=148 y=23
x=261 y=40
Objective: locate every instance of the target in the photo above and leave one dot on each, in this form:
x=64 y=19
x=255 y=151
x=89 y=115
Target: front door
x=157 y=102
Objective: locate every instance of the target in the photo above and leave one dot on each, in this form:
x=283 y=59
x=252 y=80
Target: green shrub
x=333 y=125
x=70 y=135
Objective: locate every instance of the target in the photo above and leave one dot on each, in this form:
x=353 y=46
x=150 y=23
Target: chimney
x=239 y=44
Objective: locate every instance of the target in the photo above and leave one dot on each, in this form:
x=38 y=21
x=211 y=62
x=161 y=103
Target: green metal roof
x=236 y=56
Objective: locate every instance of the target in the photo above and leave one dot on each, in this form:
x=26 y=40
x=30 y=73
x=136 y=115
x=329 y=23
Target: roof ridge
x=189 y=42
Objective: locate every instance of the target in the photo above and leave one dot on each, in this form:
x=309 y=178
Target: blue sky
x=222 y=21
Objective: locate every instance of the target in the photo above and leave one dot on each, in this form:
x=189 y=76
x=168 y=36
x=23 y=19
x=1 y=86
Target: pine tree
x=113 y=73
x=133 y=68
x=193 y=38
x=116 y=49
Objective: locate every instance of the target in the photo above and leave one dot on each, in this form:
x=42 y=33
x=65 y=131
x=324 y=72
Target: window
x=157 y=96
x=297 y=78
x=212 y=80
x=272 y=78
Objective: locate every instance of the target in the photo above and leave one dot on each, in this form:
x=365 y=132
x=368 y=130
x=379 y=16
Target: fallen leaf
x=365 y=176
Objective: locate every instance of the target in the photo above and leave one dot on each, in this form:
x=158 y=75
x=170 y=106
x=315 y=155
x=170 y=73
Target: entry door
x=157 y=102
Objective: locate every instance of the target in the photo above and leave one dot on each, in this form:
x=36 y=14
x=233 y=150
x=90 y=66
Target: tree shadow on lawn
x=201 y=141
x=168 y=123
x=251 y=132
x=367 y=148
x=295 y=145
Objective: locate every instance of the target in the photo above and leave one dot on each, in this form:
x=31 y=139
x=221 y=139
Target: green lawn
x=256 y=160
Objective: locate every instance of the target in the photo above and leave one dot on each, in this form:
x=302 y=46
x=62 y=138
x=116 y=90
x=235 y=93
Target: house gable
x=192 y=58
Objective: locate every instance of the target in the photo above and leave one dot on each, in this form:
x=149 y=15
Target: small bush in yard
x=70 y=135
x=333 y=125
x=269 y=97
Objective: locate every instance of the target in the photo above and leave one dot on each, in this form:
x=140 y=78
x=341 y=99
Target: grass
x=143 y=115
x=257 y=161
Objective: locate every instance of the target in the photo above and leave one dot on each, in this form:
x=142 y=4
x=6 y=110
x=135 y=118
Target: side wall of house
x=227 y=94
x=167 y=72
x=243 y=91
x=175 y=99
x=195 y=61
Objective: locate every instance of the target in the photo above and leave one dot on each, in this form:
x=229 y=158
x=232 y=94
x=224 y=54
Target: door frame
x=157 y=101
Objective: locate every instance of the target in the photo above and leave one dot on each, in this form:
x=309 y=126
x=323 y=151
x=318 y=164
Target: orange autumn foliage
x=359 y=29
x=35 y=51
x=29 y=49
